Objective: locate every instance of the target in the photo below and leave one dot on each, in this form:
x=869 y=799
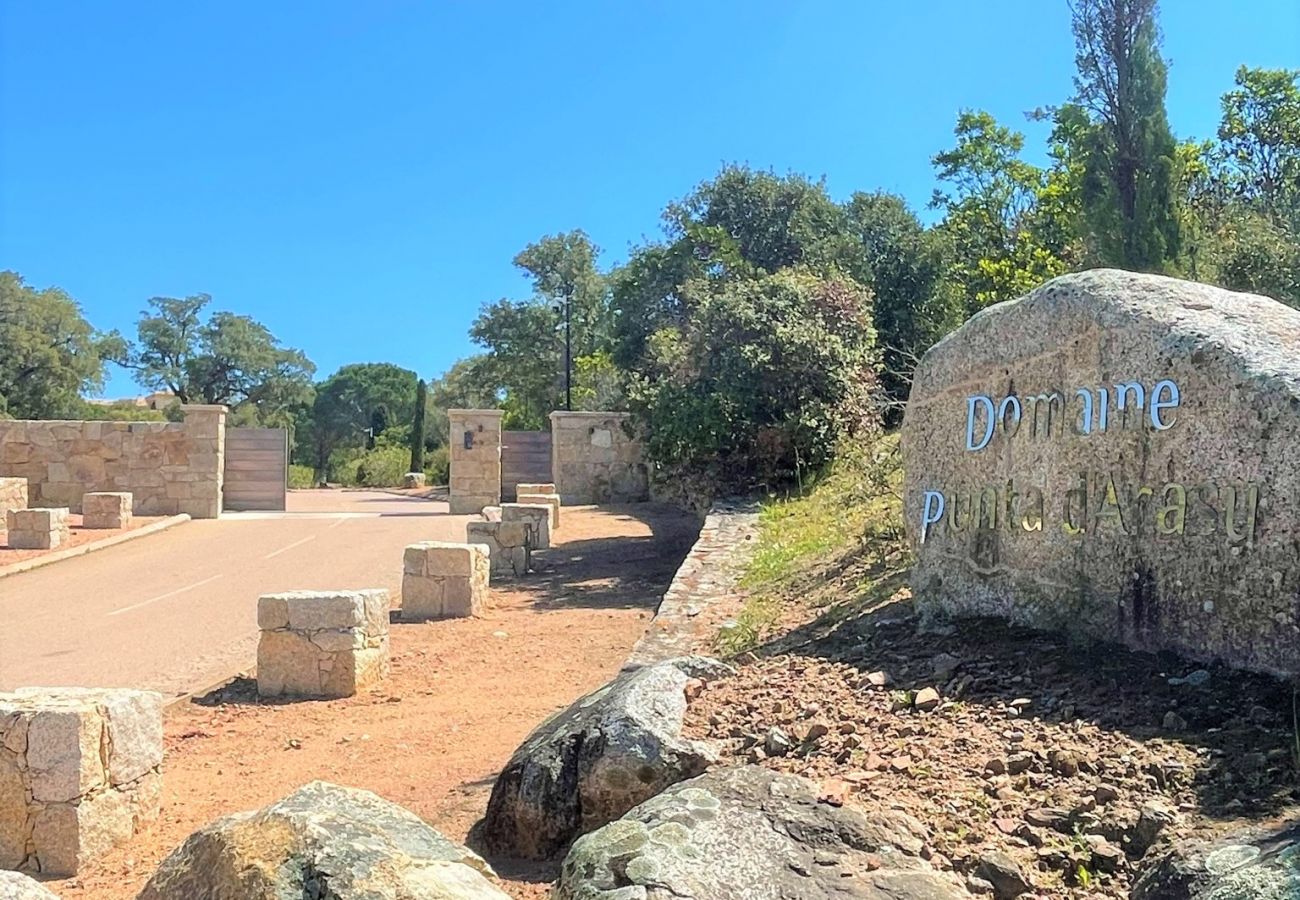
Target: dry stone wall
x=168 y=467
x=1119 y=455
x=596 y=458
x=13 y=494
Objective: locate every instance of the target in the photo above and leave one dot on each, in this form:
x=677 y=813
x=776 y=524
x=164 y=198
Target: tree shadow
x=616 y=572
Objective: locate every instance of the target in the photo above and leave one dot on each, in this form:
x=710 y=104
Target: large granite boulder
x=1119 y=455
x=749 y=833
x=322 y=841
x=597 y=759
x=1263 y=864
x=16 y=886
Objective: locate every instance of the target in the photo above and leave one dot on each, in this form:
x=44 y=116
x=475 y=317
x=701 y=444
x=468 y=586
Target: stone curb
x=59 y=555
x=709 y=573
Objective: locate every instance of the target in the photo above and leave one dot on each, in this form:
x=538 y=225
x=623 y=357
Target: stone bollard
x=551 y=500
x=106 y=509
x=507 y=543
x=442 y=580
x=79 y=774
x=537 y=516
x=13 y=494
x=413 y=480
x=326 y=644
x=37 y=529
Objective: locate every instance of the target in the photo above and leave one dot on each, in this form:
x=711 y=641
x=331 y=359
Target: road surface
x=177 y=611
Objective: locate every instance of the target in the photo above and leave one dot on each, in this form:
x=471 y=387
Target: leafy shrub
x=380 y=467
x=762 y=380
x=301 y=477
x=437 y=465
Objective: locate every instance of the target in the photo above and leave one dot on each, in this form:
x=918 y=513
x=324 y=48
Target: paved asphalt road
x=177 y=611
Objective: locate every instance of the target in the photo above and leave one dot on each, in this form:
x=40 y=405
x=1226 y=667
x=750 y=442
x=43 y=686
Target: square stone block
x=106 y=509
x=537 y=488
x=413 y=480
x=79 y=774
x=37 y=529
x=537 y=516
x=550 y=500
x=321 y=643
x=444 y=580
x=507 y=544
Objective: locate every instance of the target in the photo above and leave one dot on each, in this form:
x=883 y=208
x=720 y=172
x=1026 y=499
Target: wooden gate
x=257 y=468
x=525 y=459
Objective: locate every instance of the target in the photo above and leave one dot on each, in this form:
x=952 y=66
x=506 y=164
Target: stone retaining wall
x=168 y=467
x=710 y=572
x=596 y=458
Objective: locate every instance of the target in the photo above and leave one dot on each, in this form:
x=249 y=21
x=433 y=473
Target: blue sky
x=358 y=175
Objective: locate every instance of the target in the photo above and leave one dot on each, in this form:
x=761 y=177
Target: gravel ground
x=1073 y=762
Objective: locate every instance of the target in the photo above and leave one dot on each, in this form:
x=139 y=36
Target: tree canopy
x=228 y=359
x=49 y=354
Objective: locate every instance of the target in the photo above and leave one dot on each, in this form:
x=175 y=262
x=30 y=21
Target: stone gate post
x=206 y=427
x=475 y=438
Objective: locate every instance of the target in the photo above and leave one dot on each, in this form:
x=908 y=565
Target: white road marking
x=299 y=543
x=188 y=587
x=262 y=516
x=341 y=520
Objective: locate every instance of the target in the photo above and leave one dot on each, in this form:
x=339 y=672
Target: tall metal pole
x=568 y=350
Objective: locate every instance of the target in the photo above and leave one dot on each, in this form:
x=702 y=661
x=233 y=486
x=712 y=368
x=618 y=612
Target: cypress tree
x=417 y=427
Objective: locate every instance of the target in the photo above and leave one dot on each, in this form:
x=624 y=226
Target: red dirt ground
x=462 y=696
x=77 y=536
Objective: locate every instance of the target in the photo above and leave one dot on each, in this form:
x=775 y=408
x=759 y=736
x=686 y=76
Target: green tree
x=761 y=381
x=524 y=339
x=229 y=359
x=1128 y=153
x=992 y=218
x=466 y=385
x=1260 y=141
x=349 y=404
x=417 y=426
x=49 y=353
x=911 y=304
x=739 y=224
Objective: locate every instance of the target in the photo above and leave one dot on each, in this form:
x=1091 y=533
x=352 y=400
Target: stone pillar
x=442 y=580
x=509 y=544
x=594 y=459
x=475 y=437
x=206 y=426
x=37 y=529
x=537 y=516
x=79 y=774
x=321 y=643
x=106 y=509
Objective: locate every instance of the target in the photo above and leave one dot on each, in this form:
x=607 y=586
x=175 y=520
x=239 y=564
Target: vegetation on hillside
x=835 y=548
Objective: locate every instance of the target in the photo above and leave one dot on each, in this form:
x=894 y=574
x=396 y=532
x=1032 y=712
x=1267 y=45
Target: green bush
x=437 y=465
x=302 y=477
x=760 y=383
x=380 y=467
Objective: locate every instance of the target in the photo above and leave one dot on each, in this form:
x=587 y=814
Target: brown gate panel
x=525 y=459
x=257 y=468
